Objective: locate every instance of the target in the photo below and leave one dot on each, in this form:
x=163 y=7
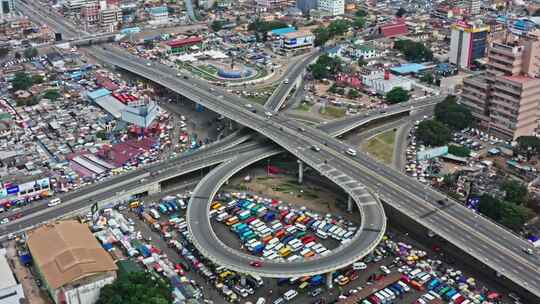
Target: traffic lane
x=207 y=241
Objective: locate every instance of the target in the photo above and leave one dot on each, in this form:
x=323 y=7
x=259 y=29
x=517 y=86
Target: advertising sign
x=431 y=153
x=13 y=190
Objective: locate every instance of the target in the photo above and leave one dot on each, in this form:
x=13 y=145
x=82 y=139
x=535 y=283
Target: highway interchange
x=489 y=243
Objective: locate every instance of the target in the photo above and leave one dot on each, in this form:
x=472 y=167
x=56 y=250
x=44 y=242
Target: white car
x=359 y=266
x=385 y=269
x=4 y=221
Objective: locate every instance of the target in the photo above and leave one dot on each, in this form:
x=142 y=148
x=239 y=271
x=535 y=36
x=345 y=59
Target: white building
x=6 y=9
x=74 y=5
x=383 y=82
x=294 y=42
x=159 y=15
x=11 y=292
x=332 y=7
x=364 y=51
x=111 y=18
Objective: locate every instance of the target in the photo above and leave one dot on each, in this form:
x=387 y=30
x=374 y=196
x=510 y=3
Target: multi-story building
x=506 y=99
x=306 y=5
x=74 y=6
x=90 y=13
x=473 y=7
x=110 y=18
x=294 y=42
x=6 y=9
x=271 y=4
x=468 y=42
x=332 y=7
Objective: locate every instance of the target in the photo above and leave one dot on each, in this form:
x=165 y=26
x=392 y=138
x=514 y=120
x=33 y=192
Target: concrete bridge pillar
x=349 y=203
x=329 y=281
x=154 y=188
x=300 y=171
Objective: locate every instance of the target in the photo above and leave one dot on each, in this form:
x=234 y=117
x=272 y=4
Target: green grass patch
x=332 y=112
x=303 y=106
x=381 y=146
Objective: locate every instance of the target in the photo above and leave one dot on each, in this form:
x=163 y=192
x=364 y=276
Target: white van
x=258 y=279
x=291 y=294
x=321 y=234
x=300 y=227
x=351 y=152
x=261 y=300
x=54 y=202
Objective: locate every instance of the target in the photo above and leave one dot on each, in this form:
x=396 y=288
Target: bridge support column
x=243 y=280
x=349 y=203
x=300 y=171
x=329 y=281
x=154 y=188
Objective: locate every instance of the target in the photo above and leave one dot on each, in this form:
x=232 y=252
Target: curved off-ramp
x=369 y=234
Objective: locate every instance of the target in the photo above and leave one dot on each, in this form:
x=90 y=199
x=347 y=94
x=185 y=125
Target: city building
x=294 y=42
x=306 y=5
x=11 y=291
x=110 y=18
x=159 y=14
x=364 y=51
x=70 y=261
x=74 y=6
x=332 y=7
x=473 y=7
x=90 y=13
x=394 y=29
x=505 y=100
x=383 y=82
x=7 y=9
x=271 y=4
x=181 y=45
x=468 y=42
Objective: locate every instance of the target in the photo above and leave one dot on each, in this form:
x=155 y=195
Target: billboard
x=431 y=153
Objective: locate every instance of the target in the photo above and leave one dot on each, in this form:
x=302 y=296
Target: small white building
x=159 y=15
x=383 y=82
x=364 y=51
x=333 y=7
x=11 y=292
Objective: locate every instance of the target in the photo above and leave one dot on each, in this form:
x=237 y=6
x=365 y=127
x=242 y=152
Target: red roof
x=394 y=29
x=184 y=42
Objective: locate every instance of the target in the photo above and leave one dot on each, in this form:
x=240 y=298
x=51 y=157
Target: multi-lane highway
x=489 y=243
x=494 y=246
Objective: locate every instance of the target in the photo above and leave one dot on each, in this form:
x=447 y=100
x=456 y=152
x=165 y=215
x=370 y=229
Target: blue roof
x=98 y=93
x=283 y=31
x=408 y=68
x=159 y=10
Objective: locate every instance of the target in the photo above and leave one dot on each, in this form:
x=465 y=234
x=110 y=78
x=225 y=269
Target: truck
x=316 y=280
x=269 y=216
x=258 y=249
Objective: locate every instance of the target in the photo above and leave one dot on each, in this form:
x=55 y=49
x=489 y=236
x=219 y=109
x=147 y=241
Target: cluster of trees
x=413 y=51
x=336 y=90
x=28 y=52
x=507 y=213
x=217 y=25
x=528 y=146
x=360 y=19
x=261 y=28
x=23 y=81
x=449 y=117
x=397 y=95
x=325 y=66
x=335 y=28
x=135 y=288
x=459 y=151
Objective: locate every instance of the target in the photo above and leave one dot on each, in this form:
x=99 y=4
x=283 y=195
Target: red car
x=178 y=268
x=255 y=264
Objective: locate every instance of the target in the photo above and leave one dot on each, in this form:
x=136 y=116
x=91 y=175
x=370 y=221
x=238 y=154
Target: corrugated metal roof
x=98 y=93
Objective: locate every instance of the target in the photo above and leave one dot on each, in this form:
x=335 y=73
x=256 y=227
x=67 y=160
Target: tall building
x=74 y=6
x=6 y=9
x=306 y=5
x=473 y=7
x=505 y=100
x=332 y=7
x=272 y=4
x=468 y=42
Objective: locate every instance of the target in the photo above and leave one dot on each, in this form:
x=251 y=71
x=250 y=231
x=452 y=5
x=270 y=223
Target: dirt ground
x=280 y=187
x=33 y=294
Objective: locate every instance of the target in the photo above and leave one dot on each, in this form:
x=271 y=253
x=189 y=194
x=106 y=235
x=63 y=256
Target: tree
x=397 y=95
x=216 y=25
x=452 y=114
x=338 y=27
x=528 y=145
x=427 y=78
x=21 y=81
x=515 y=191
x=353 y=93
x=362 y=62
x=490 y=207
x=449 y=180
x=101 y=135
x=322 y=35
x=37 y=79
x=52 y=95
x=138 y=287
x=401 y=12
x=505 y=213
x=459 y=151
x=17 y=55
x=359 y=23
x=360 y=13
x=325 y=66
x=433 y=133
x=4 y=52
x=30 y=52
x=413 y=51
